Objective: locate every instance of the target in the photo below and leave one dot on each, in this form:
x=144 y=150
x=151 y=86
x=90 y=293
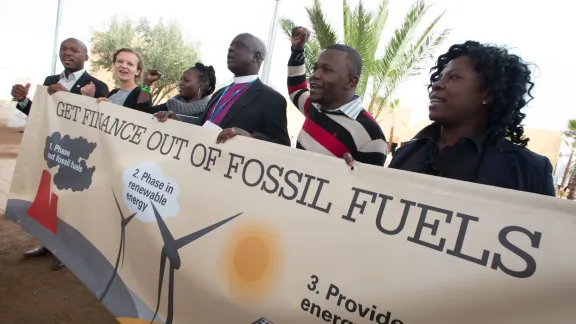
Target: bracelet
x=145 y=89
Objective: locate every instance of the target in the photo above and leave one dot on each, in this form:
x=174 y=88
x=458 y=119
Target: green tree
x=571 y=133
x=162 y=46
x=404 y=54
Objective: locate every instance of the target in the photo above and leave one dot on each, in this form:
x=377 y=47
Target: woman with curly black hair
x=476 y=95
x=196 y=85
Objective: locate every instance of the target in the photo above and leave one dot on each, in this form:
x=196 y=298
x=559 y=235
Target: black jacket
x=132 y=100
x=503 y=165
x=260 y=110
x=85 y=79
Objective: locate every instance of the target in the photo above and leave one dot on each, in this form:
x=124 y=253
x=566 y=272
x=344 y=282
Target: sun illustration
x=125 y=320
x=251 y=260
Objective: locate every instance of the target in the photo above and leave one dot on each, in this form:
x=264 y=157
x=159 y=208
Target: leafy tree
x=162 y=47
x=403 y=56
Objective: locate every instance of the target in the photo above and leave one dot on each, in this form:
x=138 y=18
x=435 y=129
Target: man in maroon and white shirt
x=336 y=122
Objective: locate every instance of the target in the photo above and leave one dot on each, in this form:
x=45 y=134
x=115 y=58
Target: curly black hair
x=508 y=78
x=208 y=76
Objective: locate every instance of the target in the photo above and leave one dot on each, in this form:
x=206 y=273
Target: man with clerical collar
x=74 y=78
x=247 y=107
x=73 y=54
x=476 y=95
x=336 y=122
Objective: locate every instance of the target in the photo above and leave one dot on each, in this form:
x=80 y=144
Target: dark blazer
x=260 y=110
x=503 y=164
x=132 y=100
x=85 y=79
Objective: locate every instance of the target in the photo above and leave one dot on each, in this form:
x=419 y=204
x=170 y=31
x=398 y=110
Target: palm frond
x=403 y=35
x=311 y=53
x=325 y=33
x=410 y=63
x=381 y=18
x=365 y=41
x=362 y=31
x=397 y=45
x=347 y=21
x=378 y=24
x=287 y=25
x=395 y=69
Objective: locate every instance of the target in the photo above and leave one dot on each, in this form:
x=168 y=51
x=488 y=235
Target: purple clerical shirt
x=235 y=87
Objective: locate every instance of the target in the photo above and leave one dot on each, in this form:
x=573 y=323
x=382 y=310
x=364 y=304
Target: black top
x=260 y=110
x=132 y=100
x=457 y=162
x=501 y=164
x=85 y=79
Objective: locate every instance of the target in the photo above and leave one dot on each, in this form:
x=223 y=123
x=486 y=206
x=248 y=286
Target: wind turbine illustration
x=170 y=252
x=122 y=249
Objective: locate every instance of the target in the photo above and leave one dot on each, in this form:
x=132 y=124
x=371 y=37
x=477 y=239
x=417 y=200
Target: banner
x=162 y=224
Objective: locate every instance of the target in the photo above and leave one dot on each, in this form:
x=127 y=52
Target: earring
x=198 y=91
x=484 y=102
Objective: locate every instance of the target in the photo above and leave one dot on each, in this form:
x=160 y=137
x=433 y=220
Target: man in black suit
x=75 y=79
x=248 y=107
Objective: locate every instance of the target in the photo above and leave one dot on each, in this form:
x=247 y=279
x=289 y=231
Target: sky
x=536 y=30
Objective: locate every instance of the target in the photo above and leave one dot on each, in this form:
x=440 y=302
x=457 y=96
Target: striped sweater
x=349 y=128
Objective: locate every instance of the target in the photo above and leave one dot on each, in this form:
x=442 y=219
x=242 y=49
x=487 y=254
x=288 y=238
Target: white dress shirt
x=67 y=82
x=245 y=79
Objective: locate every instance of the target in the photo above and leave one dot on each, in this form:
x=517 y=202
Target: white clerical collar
x=72 y=76
x=245 y=79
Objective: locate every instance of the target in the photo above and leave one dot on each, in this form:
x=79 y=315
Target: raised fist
x=152 y=76
x=20 y=92
x=300 y=36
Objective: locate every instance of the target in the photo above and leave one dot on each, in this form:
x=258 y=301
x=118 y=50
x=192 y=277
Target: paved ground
x=30 y=292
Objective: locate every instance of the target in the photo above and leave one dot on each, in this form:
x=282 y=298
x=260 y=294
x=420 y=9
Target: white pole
x=56 y=48
x=271 y=41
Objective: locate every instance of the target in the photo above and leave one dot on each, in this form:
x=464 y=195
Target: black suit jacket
x=503 y=165
x=260 y=110
x=85 y=79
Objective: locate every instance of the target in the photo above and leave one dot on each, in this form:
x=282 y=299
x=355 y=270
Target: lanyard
x=217 y=108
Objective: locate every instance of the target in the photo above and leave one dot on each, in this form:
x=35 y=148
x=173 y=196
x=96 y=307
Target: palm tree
x=572 y=184
x=403 y=54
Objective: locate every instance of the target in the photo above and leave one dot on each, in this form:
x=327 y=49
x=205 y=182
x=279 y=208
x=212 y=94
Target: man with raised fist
x=73 y=55
x=336 y=122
